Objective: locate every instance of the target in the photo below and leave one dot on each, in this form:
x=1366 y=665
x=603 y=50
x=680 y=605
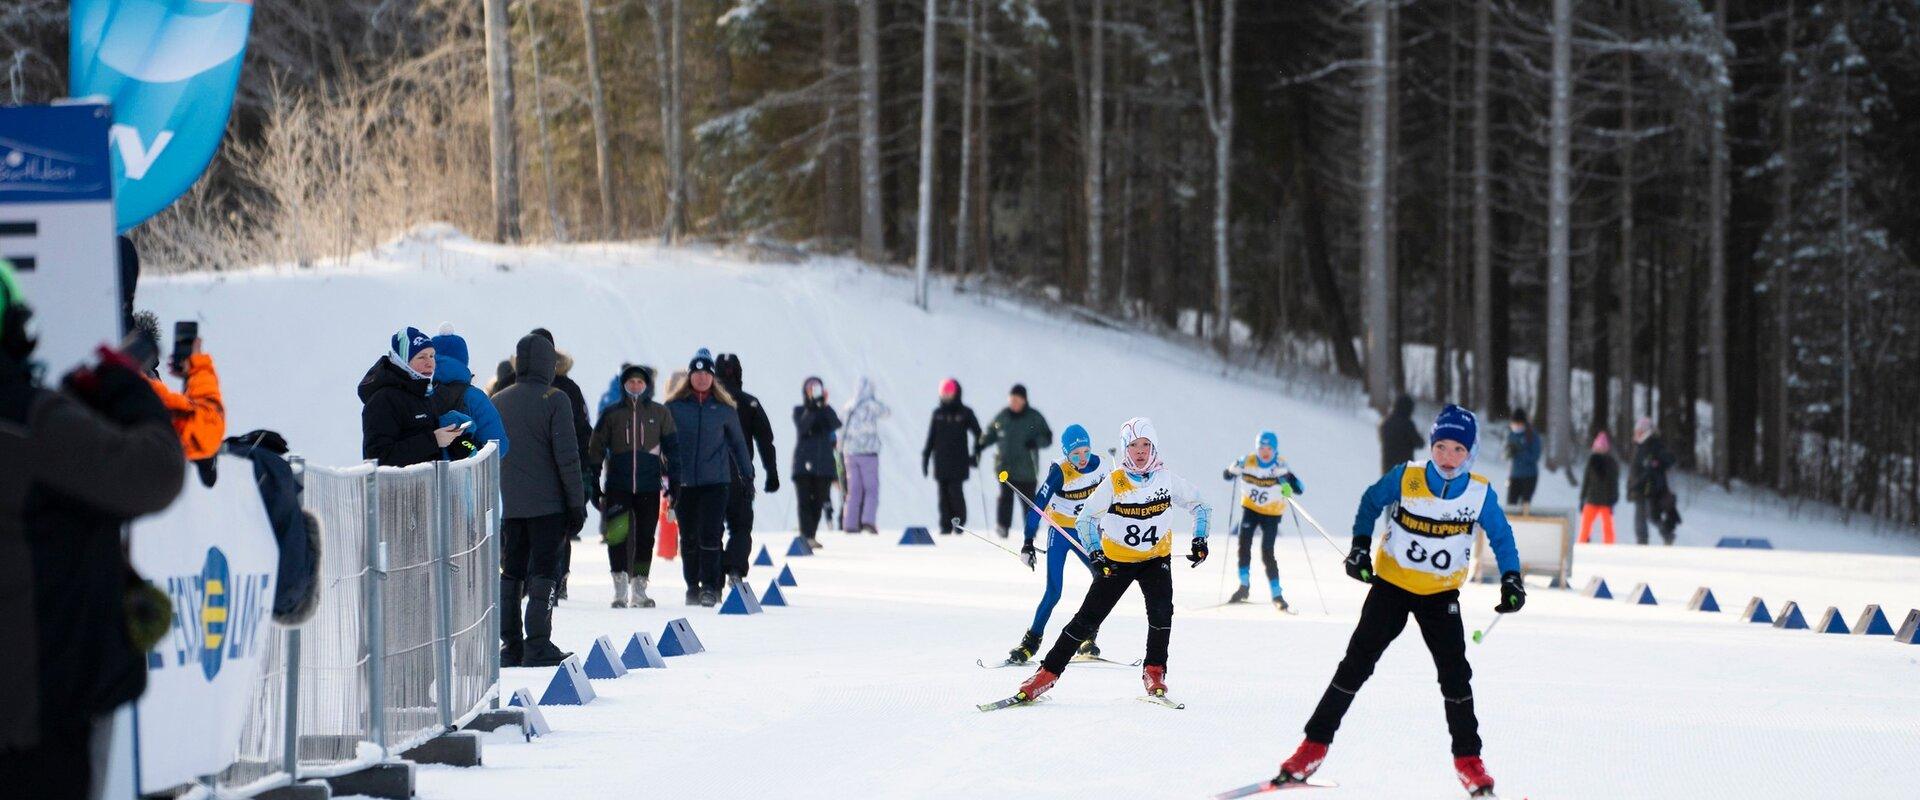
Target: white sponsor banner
x=214 y=554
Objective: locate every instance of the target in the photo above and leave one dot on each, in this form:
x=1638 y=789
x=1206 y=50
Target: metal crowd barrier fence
x=403 y=646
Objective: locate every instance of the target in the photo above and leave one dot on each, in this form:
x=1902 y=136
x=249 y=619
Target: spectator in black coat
x=398 y=426
x=1647 y=484
x=949 y=454
x=543 y=498
x=1399 y=438
x=759 y=432
x=814 y=470
x=504 y=376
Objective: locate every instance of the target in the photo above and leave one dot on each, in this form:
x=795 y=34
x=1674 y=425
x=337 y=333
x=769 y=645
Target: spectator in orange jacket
x=199 y=415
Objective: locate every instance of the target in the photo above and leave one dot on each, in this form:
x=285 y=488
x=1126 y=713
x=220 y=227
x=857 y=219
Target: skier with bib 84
x=1127 y=526
x=1266 y=484
x=1070 y=483
x=1432 y=508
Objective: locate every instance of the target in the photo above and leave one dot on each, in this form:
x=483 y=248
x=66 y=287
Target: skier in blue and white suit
x=1068 y=485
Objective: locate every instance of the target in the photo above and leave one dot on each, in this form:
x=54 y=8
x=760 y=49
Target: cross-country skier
x=1069 y=484
x=1265 y=485
x=1128 y=526
x=1431 y=508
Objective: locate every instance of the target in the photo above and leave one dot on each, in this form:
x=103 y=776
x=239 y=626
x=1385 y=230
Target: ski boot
x=639 y=599
x=1473 y=776
x=1239 y=595
x=1301 y=765
x=1088 y=649
x=1029 y=644
x=1036 y=686
x=1155 y=679
x=1280 y=603
x=619 y=590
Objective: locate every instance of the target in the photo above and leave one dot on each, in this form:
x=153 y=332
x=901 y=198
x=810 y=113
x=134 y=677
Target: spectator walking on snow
x=455 y=397
x=1021 y=431
x=1599 y=489
x=398 y=427
x=759 y=432
x=540 y=484
x=635 y=439
x=1647 y=484
x=712 y=450
x=950 y=453
x=1523 y=453
x=814 y=425
x=860 y=450
x=1398 y=436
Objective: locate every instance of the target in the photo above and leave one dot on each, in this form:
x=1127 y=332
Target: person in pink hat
x=1599 y=489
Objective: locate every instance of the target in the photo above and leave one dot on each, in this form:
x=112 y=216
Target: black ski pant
x=1382 y=618
x=953 y=504
x=703 y=517
x=635 y=555
x=1520 y=490
x=739 y=528
x=1004 y=507
x=530 y=547
x=1268 y=527
x=1155 y=576
x=812 y=493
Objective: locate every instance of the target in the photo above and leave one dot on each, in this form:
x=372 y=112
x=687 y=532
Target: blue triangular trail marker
x=1909 y=632
x=740 y=600
x=569 y=686
x=1597 y=589
x=532 y=722
x=602 y=664
x=799 y=548
x=642 y=654
x=1703 y=601
x=679 y=640
x=1872 y=622
x=1790 y=618
x=773 y=597
x=916 y=535
x=1757 y=612
x=786 y=577
x=1830 y=622
x=765 y=559
x=1642 y=596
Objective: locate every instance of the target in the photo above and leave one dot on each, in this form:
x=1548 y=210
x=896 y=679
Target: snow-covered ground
x=866 y=686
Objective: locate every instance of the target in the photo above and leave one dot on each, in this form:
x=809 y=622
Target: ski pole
x=1479 y=635
x=1072 y=540
x=968 y=531
x=1316 y=526
x=1301 y=533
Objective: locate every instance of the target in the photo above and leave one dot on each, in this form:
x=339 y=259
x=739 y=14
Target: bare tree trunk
x=1219 y=107
x=1483 y=370
x=983 y=198
x=1778 y=428
x=540 y=124
x=832 y=169
x=677 y=135
x=923 y=236
x=1717 y=255
x=668 y=61
x=1373 y=239
x=1443 y=383
x=1096 y=157
x=872 y=225
x=500 y=135
x=1557 y=402
x=597 y=96
x=1624 y=307
x=962 y=231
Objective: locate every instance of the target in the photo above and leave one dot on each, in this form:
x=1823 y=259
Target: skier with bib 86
x=1127 y=526
x=1266 y=483
x=1070 y=483
x=1432 y=508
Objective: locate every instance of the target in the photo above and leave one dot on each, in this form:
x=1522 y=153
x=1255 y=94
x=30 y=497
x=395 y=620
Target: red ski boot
x=1473 y=776
x=1036 y=686
x=1302 y=764
x=1155 y=679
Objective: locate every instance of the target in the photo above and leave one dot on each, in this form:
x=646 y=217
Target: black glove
x=115 y=388
x=1029 y=554
x=1360 y=560
x=1102 y=568
x=576 y=519
x=974 y=462
x=1513 y=593
x=594 y=495
x=925 y=471
x=1226 y=474
x=773 y=482
x=1199 y=552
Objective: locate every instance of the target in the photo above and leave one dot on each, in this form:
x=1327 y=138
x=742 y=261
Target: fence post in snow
x=290 y=747
x=443 y=594
x=375 y=630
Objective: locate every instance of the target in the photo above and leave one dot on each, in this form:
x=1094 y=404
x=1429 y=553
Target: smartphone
x=465 y=426
x=185 y=333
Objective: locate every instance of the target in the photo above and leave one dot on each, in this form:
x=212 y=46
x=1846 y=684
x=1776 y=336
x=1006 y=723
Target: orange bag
x=669 y=534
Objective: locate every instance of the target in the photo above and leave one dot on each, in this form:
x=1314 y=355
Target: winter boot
x=1154 y=677
x=1239 y=595
x=619 y=590
x=1036 y=685
x=709 y=598
x=876 y=531
x=693 y=597
x=539 y=650
x=511 y=642
x=1473 y=776
x=638 y=587
x=1002 y=530
x=1088 y=649
x=813 y=543
x=1302 y=764
x=561 y=593
x=1029 y=643
x=1280 y=602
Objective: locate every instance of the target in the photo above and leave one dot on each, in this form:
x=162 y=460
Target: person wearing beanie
x=1021 y=433
x=635 y=439
x=860 y=452
x=949 y=456
x=1432 y=509
x=199 y=413
x=1523 y=456
x=1399 y=437
x=457 y=399
x=814 y=470
x=712 y=451
x=1127 y=526
x=1069 y=483
x=1265 y=486
x=398 y=425
x=759 y=432
x=1599 y=489
x=1647 y=484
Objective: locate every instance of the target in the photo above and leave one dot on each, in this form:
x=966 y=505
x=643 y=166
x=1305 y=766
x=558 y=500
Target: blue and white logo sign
x=170 y=68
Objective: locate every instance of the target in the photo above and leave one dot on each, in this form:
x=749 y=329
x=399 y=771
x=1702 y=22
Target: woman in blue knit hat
x=398 y=424
x=1432 y=508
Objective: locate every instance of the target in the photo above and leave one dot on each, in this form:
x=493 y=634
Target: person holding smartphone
x=397 y=425
x=199 y=415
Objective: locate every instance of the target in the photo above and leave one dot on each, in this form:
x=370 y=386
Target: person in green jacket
x=1021 y=431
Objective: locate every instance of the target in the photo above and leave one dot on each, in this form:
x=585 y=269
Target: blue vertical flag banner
x=170 y=68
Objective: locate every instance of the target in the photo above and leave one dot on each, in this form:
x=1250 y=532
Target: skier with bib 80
x=1432 y=509
x=1127 y=526
x=1069 y=484
x=1266 y=483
